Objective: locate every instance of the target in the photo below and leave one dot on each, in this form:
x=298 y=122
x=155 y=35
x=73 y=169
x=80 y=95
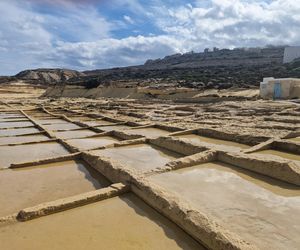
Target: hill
x=219 y=69
x=210 y=69
x=47 y=76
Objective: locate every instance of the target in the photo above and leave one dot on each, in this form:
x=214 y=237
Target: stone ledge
x=71 y=202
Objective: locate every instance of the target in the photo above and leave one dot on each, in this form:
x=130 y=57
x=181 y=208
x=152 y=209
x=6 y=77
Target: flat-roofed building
x=282 y=88
x=291 y=53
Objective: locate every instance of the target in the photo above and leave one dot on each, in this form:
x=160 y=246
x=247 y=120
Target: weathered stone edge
x=71 y=202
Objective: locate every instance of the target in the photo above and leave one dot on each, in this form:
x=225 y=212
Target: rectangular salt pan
x=141 y=156
x=259 y=209
x=74 y=133
x=22 y=139
x=122 y=223
x=94 y=142
x=30 y=186
x=193 y=138
x=148 y=132
x=18 y=131
x=276 y=153
x=30 y=152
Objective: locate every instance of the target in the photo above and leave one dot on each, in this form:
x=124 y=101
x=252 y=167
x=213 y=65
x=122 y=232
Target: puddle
x=259 y=209
x=15 y=124
x=89 y=143
x=80 y=118
x=22 y=119
x=30 y=186
x=41 y=117
x=18 y=131
x=282 y=154
x=22 y=139
x=55 y=112
x=202 y=139
x=98 y=122
x=114 y=127
x=52 y=121
x=11 y=115
x=16 y=117
x=141 y=157
x=296 y=139
x=124 y=222
x=74 y=133
x=61 y=126
x=149 y=132
x=30 y=152
x=38 y=114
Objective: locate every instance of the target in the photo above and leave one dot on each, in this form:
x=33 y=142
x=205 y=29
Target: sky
x=95 y=34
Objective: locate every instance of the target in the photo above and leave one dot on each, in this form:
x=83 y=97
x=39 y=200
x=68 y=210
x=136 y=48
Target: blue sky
x=93 y=34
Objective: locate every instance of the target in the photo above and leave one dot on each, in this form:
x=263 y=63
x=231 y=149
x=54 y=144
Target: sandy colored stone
x=277 y=168
x=29 y=186
x=251 y=205
x=123 y=222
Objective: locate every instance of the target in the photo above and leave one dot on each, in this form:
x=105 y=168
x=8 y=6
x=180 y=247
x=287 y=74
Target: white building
x=291 y=53
x=282 y=88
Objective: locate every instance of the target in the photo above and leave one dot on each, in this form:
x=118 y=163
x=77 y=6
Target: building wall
x=291 y=53
x=286 y=86
x=290 y=88
x=295 y=92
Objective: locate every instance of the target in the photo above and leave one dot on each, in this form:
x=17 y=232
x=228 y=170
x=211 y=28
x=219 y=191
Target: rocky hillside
x=218 y=58
x=47 y=76
x=216 y=69
x=5 y=79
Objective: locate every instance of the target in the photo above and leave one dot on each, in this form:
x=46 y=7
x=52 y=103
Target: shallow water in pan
x=89 y=143
x=295 y=139
x=15 y=124
x=141 y=156
x=74 y=133
x=29 y=186
x=30 y=152
x=148 y=132
x=22 y=139
x=202 y=139
x=259 y=209
x=61 y=126
x=282 y=154
x=123 y=222
x=115 y=127
x=98 y=122
x=18 y=131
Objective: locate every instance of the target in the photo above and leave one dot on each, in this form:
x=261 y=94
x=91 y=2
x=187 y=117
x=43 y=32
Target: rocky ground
x=227 y=172
x=262 y=117
x=220 y=69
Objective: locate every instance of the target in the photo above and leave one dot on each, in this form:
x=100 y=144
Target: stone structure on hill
x=47 y=76
x=283 y=88
x=291 y=53
x=211 y=69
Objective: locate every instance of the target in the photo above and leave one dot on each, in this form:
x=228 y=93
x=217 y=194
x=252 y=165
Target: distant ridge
x=47 y=76
x=220 y=68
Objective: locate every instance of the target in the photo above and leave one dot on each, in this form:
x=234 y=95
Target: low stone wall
x=283 y=170
x=71 y=202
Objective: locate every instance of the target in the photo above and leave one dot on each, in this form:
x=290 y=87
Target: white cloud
x=28 y=39
x=228 y=23
x=81 y=38
x=128 y=19
x=114 y=52
x=133 y=6
x=21 y=35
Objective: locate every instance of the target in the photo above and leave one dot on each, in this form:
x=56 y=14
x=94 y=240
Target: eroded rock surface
x=205 y=167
